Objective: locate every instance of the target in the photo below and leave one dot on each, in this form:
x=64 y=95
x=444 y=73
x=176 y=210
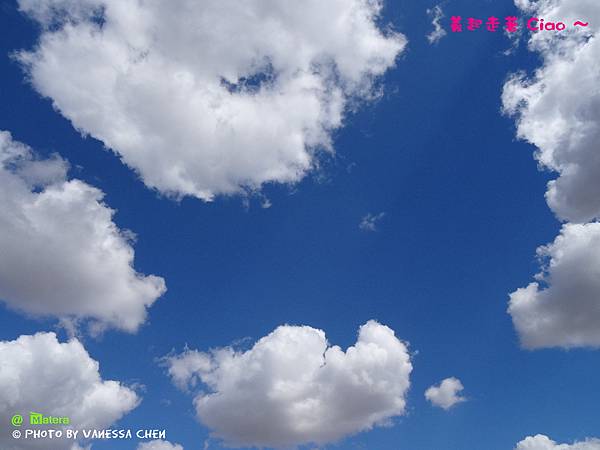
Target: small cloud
x=370 y=221
x=543 y=442
x=514 y=38
x=446 y=394
x=159 y=445
x=438 y=32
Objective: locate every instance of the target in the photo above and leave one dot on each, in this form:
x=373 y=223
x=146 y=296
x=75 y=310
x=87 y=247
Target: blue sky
x=464 y=213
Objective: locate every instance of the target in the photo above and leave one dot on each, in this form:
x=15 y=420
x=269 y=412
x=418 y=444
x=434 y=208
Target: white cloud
x=159 y=445
x=541 y=442
x=558 y=108
x=305 y=389
x=62 y=255
x=566 y=312
x=211 y=97
x=446 y=394
x=185 y=369
x=40 y=374
x=438 y=32
x=371 y=221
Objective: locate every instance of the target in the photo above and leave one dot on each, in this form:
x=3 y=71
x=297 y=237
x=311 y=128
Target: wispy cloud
x=438 y=32
x=371 y=221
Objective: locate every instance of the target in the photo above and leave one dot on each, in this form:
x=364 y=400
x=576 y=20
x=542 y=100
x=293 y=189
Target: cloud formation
x=212 y=97
x=558 y=110
x=446 y=394
x=38 y=373
x=371 y=221
x=159 y=445
x=62 y=255
x=541 y=442
x=566 y=311
x=306 y=390
x=436 y=14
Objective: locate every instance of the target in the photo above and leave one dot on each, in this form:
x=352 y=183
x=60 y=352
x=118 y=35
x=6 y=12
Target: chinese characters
x=492 y=24
x=510 y=24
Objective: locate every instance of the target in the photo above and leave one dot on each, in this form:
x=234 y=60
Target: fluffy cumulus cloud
x=62 y=255
x=446 y=394
x=558 y=108
x=159 y=445
x=562 y=308
x=541 y=442
x=305 y=389
x=39 y=373
x=211 y=97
